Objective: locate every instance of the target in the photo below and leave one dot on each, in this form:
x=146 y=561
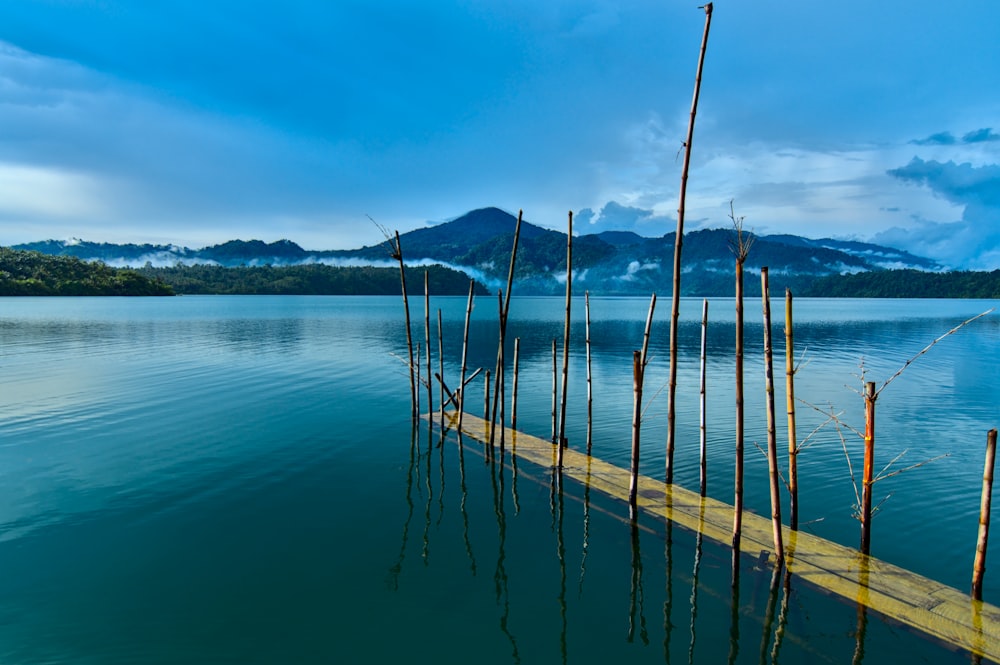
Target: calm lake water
x=238 y=480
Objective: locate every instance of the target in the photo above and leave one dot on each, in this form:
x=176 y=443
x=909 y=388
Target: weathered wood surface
x=931 y=607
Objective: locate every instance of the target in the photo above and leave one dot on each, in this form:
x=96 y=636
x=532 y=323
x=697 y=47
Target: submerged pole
x=676 y=308
x=979 y=566
x=793 y=453
x=866 y=485
x=703 y=475
x=565 y=361
x=772 y=443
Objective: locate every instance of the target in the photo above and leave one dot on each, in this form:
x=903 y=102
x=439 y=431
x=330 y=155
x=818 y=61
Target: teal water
x=237 y=479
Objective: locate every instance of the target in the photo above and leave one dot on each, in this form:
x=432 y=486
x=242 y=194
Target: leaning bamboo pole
x=590 y=390
x=565 y=360
x=676 y=308
x=702 y=425
x=397 y=253
x=793 y=453
x=465 y=355
x=867 y=480
x=772 y=443
x=979 y=566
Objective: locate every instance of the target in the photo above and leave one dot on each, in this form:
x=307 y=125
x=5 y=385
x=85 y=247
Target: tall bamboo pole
x=741 y=249
x=513 y=396
x=703 y=475
x=565 y=361
x=676 y=308
x=441 y=368
x=979 y=566
x=772 y=442
x=486 y=400
x=636 y=422
x=465 y=355
x=427 y=339
x=504 y=310
x=639 y=361
x=555 y=395
x=866 y=485
x=590 y=391
x=793 y=453
x=397 y=253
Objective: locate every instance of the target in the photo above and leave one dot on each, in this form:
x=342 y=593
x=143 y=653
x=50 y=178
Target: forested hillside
x=25 y=273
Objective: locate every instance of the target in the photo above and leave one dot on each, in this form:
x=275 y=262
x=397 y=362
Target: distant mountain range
x=479 y=243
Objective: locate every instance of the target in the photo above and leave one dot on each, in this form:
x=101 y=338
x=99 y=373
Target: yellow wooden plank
x=929 y=606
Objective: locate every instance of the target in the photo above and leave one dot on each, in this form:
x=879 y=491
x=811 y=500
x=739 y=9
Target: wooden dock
x=933 y=608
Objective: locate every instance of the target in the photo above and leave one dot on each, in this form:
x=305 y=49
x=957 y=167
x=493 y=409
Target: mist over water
x=222 y=479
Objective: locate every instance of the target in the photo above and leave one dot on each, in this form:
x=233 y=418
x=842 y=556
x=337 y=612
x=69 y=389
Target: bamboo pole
x=703 y=431
x=741 y=250
x=513 y=396
x=441 y=367
x=427 y=338
x=676 y=307
x=793 y=453
x=772 y=443
x=636 y=420
x=979 y=566
x=866 y=485
x=555 y=399
x=504 y=310
x=418 y=379
x=465 y=355
x=639 y=361
x=565 y=361
x=397 y=253
x=590 y=391
x=486 y=398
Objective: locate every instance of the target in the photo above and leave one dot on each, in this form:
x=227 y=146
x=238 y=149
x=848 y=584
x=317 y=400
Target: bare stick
x=676 y=308
x=793 y=469
x=703 y=475
x=565 y=363
x=465 y=355
x=866 y=480
x=772 y=444
x=979 y=566
x=590 y=392
x=486 y=399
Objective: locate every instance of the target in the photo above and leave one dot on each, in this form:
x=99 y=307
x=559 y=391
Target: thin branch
x=912 y=466
x=928 y=348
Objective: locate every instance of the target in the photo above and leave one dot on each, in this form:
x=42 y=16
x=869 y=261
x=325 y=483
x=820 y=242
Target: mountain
x=612 y=262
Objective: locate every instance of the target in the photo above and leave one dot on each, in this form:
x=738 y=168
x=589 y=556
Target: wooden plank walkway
x=928 y=606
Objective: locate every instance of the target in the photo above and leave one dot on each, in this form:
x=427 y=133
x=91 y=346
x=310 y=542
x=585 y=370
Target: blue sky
x=195 y=122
